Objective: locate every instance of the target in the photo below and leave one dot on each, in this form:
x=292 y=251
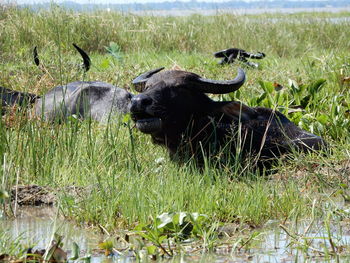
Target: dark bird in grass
x=230 y=55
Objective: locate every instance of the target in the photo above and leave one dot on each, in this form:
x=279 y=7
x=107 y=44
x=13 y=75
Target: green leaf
x=3 y=194
x=75 y=251
x=344 y=186
x=151 y=250
x=323 y=119
x=196 y=217
x=261 y=98
x=267 y=86
x=161 y=239
x=115 y=50
x=146 y=236
x=316 y=86
x=126 y=118
x=108 y=245
x=139 y=227
x=104 y=64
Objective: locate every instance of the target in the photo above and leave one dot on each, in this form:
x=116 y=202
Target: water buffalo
x=174 y=109
x=231 y=54
x=11 y=97
x=85 y=99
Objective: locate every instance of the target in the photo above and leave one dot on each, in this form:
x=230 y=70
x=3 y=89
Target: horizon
x=137 y=1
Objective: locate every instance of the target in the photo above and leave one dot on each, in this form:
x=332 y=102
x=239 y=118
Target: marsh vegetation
x=128 y=181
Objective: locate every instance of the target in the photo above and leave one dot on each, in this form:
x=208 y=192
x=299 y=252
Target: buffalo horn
x=220 y=86
x=86 y=58
x=36 y=56
x=140 y=81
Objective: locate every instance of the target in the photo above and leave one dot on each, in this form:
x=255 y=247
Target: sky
x=111 y=1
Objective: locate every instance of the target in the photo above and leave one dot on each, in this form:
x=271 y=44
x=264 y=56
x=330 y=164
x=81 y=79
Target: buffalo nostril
x=140 y=102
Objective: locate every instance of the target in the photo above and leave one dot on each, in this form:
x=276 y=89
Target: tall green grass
x=123 y=178
x=58 y=28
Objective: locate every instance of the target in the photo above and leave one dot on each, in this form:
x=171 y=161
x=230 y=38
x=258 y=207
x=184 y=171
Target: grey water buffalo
x=231 y=54
x=97 y=100
x=174 y=109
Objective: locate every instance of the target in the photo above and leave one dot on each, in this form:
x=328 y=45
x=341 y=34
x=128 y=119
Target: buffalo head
x=173 y=108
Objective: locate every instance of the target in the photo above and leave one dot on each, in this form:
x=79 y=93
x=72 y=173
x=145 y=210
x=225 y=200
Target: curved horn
x=220 y=86
x=36 y=56
x=140 y=81
x=86 y=58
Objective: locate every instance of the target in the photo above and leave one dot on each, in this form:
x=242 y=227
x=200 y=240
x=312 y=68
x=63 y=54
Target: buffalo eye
x=140 y=102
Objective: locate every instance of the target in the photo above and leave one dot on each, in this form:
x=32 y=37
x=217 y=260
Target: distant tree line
x=178 y=5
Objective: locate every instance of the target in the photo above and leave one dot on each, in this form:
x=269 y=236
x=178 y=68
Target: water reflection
x=271 y=244
x=38 y=224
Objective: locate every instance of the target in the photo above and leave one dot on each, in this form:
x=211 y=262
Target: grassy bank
x=128 y=180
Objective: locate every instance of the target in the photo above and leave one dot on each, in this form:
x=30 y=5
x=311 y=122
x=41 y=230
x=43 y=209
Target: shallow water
x=316 y=20
x=271 y=244
x=38 y=224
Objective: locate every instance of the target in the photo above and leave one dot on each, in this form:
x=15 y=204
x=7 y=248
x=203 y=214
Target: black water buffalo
x=231 y=54
x=97 y=100
x=175 y=111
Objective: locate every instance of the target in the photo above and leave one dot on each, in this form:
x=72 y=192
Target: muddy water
x=272 y=244
x=37 y=225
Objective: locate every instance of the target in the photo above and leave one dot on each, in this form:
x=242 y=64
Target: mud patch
x=35 y=195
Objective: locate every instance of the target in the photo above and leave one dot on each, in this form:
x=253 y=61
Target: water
x=239 y=11
x=38 y=224
x=269 y=244
x=333 y=20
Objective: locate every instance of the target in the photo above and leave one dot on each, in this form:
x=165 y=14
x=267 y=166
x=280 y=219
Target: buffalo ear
x=140 y=81
x=238 y=111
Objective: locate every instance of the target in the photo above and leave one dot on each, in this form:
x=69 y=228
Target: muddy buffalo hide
x=83 y=99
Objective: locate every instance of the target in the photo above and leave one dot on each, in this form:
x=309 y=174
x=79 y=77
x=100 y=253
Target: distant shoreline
x=239 y=11
x=203 y=7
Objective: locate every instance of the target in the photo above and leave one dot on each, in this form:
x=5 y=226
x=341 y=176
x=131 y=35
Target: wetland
x=108 y=194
